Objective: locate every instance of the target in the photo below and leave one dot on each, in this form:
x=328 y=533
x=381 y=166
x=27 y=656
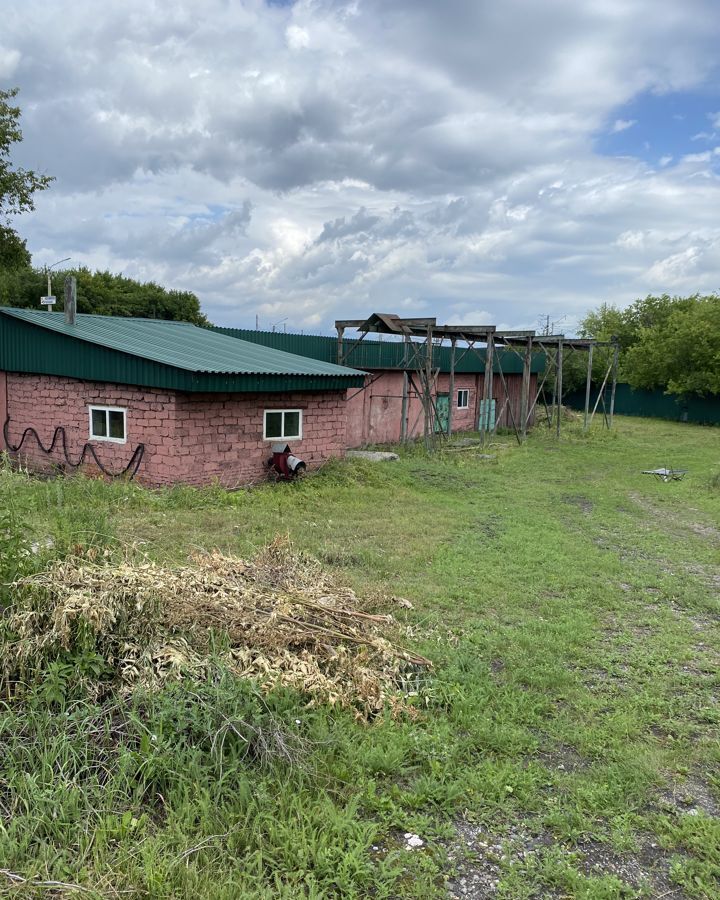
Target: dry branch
x=284 y=620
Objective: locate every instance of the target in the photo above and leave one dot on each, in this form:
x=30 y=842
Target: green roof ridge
x=195 y=349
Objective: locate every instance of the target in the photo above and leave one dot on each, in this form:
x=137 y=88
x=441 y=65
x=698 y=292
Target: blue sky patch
x=653 y=127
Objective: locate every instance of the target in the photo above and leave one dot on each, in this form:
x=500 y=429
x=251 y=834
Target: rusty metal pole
x=616 y=358
x=487 y=389
x=588 y=384
x=405 y=390
x=559 y=385
x=404 y=410
x=428 y=388
x=452 y=385
x=525 y=390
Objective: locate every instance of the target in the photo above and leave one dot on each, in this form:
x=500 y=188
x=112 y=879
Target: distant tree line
x=100 y=292
x=666 y=342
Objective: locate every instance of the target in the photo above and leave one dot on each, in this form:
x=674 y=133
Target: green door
x=486 y=417
x=442 y=413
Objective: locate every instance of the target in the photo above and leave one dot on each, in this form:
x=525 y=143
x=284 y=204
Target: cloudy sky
x=484 y=162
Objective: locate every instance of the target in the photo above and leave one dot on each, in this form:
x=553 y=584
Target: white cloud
x=622 y=125
x=674 y=270
x=297 y=38
x=9 y=60
x=631 y=240
x=325 y=157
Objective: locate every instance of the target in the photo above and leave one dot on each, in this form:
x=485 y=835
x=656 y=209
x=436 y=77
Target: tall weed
x=16 y=556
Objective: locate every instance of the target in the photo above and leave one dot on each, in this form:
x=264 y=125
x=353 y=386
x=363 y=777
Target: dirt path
x=677 y=525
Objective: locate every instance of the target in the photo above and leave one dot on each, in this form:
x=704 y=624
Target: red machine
x=283 y=465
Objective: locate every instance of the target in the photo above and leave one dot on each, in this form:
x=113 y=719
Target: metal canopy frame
x=557 y=349
x=420 y=373
x=418 y=365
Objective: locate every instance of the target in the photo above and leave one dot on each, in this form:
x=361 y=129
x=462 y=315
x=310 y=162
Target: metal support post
x=452 y=385
x=404 y=410
x=588 y=383
x=427 y=400
x=487 y=388
x=616 y=357
x=525 y=395
x=559 y=386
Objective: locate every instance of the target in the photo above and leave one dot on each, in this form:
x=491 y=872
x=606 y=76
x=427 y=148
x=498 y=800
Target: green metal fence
x=654 y=404
x=381 y=354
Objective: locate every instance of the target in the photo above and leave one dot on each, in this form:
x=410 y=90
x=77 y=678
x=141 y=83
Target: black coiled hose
x=88 y=450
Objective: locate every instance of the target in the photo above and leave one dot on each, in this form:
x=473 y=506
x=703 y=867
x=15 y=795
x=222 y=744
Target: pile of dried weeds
x=280 y=619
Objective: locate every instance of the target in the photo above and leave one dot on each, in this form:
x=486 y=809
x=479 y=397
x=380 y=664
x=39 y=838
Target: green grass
x=570 y=605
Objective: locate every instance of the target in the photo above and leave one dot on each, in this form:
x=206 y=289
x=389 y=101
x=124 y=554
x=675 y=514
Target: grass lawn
x=567 y=743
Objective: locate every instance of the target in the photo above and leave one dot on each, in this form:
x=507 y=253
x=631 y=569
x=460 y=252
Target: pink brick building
x=173 y=402
x=375 y=415
x=389 y=407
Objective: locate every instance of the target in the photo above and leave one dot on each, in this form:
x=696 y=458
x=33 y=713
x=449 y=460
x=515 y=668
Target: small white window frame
x=283 y=436
x=107 y=409
x=465 y=393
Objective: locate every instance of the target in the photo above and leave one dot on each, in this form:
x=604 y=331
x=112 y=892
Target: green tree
x=17 y=186
x=681 y=353
x=666 y=342
x=608 y=322
x=102 y=293
x=603 y=324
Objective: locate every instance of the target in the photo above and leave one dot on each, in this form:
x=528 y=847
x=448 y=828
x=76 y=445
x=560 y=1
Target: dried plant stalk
x=284 y=618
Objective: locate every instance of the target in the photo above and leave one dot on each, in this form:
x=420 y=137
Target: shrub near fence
x=654 y=404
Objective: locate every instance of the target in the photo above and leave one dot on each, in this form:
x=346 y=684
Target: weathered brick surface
x=232 y=450
x=193 y=438
x=3 y=403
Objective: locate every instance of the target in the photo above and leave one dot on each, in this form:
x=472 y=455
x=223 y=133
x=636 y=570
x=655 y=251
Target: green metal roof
x=386 y=354
x=180 y=344
x=156 y=353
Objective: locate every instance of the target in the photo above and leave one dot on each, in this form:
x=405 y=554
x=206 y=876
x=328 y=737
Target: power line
x=548 y=325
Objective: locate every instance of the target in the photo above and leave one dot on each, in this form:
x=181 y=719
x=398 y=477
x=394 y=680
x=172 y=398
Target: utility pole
x=49 y=301
x=548 y=326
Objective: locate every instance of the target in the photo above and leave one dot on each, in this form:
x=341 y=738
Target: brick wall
x=3 y=405
x=221 y=435
x=193 y=438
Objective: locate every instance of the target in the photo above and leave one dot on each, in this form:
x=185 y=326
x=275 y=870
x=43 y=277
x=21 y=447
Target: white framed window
x=282 y=424
x=108 y=423
x=463 y=399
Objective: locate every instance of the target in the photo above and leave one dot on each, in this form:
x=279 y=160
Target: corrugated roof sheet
x=387 y=354
x=180 y=345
